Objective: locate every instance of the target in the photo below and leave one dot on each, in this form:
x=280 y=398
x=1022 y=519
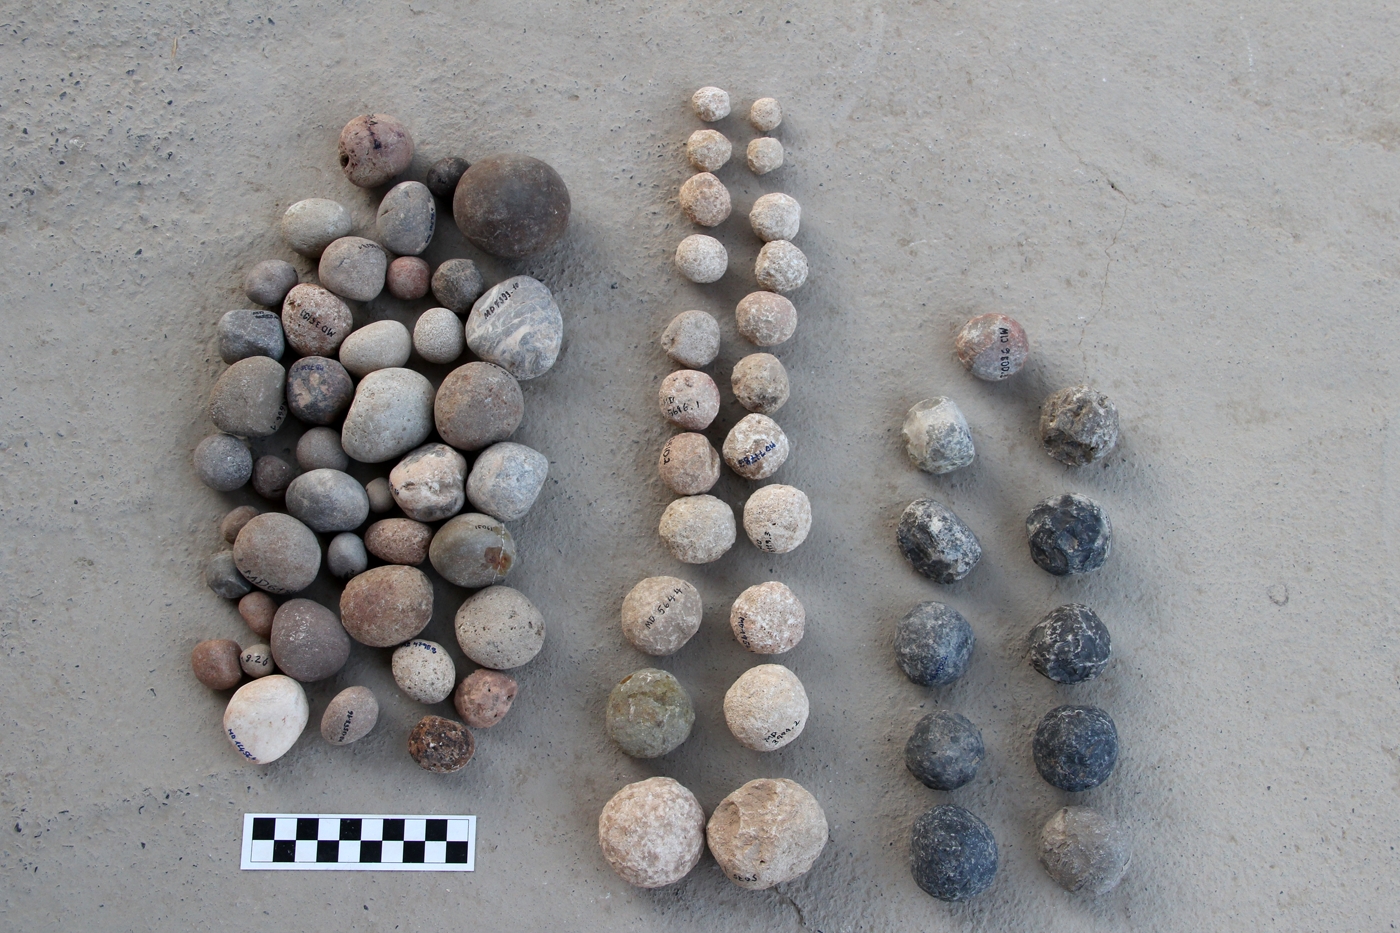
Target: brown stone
x=441 y=745
x=316 y=322
x=387 y=605
x=478 y=404
x=234 y=521
x=215 y=663
x=484 y=697
x=308 y=641
x=399 y=541
x=689 y=464
x=258 y=609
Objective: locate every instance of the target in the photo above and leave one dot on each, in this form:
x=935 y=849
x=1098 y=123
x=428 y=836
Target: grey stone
x=406 y=218
x=954 y=853
x=944 y=750
x=310 y=226
x=1083 y=850
x=472 y=550
x=936 y=542
x=444 y=174
x=517 y=326
x=246 y=332
x=381 y=497
x=1078 y=425
x=936 y=436
x=1070 y=645
x=354 y=268
x=381 y=345
x=438 y=336
x=933 y=644
x=308 y=642
x=319 y=390
x=427 y=484
x=457 y=283
x=314 y=320
x=349 y=716
x=271 y=476
x=277 y=553
x=328 y=500
x=1075 y=747
x=222 y=576
x=499 y=628
x=268 y=282
x=345 y=555
x=478 y=404
x=506 y=479
x=247 y=400
x=392 y=413
x=223 y=462
x=319 y=449
x=1069 y=534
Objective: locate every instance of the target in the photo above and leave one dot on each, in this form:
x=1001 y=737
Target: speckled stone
x=506 y=479
x=511 y=205
x=268 y=282
x=444 y=174
x=256 y=661
x=649 y=713
x=234 y=521
x=484 y=697
x=310 y=226
x=440 y=745
x=258 y=610
x=314 y=320
x=354 y=268
x=992 y=347
x=1075 y=747
x=477 y=405
x=499 y=628
x=245 y=332
x=661 y=614
x=702 y=259
x=399 y=541
x=374 y=148
x=277 y=553
x=350 y=716
x=689 y=399
x=381 y=345
x=319 y=390
x=933 y=644
x=936 y=542
x=457 y=284
x=765 y=114
x=386 y=605
x=777 y=518
x=710 y=104
x=944 y=750
x=1069 y=534
x=345 y=556
x=689 y=464
x=472 y=551
x=1084 y=851
x=272 y=476
x=328 y=500
x=392 y=413
x=222 y=576
x=937 y=437
x=768 y=618
x=760 y=383
x=704 y=200
x=767 y=832
x=756 y=447
x=215 y=663
x=652 y=832
x=265 y=718
x=1078 y=425
x=319 y=449
x=517 y=326
x=781 y=267
x=954 y=854
x=223 y=462
x=708 y=150
x=1070 y=645
x=407 y=278
x=427 y=484
x=775 y=216
x=438 y=336
x=381 y=496
x=308 y=641
x=765 y=319
x=697 y=529
x=764 y=155
x=766 y=708
x=692 y=339
x=423 y=671
x=406 y=218
x=247 y=400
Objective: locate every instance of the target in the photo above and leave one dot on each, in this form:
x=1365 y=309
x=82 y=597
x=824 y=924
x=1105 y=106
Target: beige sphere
x=701 y=258
x=760 y=383
x=652 y=832
x=689 y=399
x=710 y=104
x=765 y=318
x=765 y=114
x=692 y=339
x=689 y=464
x=423 y=671
x=708 y=150
x=768 y=618
x=698 y=529
x=756 y=447
x=766 y=708
x=780 y=267
x=777 y=518
x=764 y=155
x=661 y=614
x=767 y=832
x=499 y=628
x=705 y=200
x=775 y=216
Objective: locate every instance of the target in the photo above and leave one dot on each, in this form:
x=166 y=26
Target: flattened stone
x=222 y=575
x=268 y=282
x=386 y=605
x=354 y=267
x=406 y=219
x=392 y=414
x=247 y=332
x=319 y=390
x=517 y=326
x=440 y=745
x=328 y=500
x=310 y=226
x=350 y=716
x=247 y=400
x=936 y=542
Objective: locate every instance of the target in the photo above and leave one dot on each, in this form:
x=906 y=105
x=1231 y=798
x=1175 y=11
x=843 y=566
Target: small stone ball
x=258 y=610
x=272 y=476
x=277 y=553
x=697 y=529
x=246 y=332
x=234 y=521
x=755 y=447
x=381 y=495
x=937 y=437
x=319 y=390
x=345 y=556
x=766 y=708
x=992 y=347
x=661 y=614
x=506 y=479
x=256 y=661
x=438 y=336
x=701 y=258
x=1084 y=851
x=710 y=104
x=689 y=464
x=760 y=383
x=768 y=618
x=775 y=217
x=933 y=644
x=444 y=174
x=692 y=339
x=473 y=550
x=689 y=399
x=373 y=149
x=781 y=267
x=328 y=500
x=767 y=832
x=649 y=713
x=511 y=206
x=765 y=319
x=222 y=576
x=777 y=518
x=249 y=400
x=1075 y=747
x=1069 y=534
x=310 y=226
x=484 y=697
x=215 y=663
x=268 y=282
x=387 y=605
x=764 y=155
x=423 y=671
x=1070 y=645
x=354 y=267
x=954 y=853
x=407 y=278
x=477 y=405
x=406 y=219
x=708 y=150
x=440 y=745
x=399 y=541
x=308 y=642
x=223 y=462
x=1078 y=425
x=457 y=284
x=315 y=320
x=349 y=716
x=936 y=542
x=705 y=200
x=265 y=718
x=499 y=628
x=652 y=832
x=428 y=483
x=319 y=449
x=765 y=114
x=944 y=750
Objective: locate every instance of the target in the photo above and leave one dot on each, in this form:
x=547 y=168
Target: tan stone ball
x=689 y=399
x=760 y=383
x=767 y=832
x=766 y=708
x=768 y=618
x=705 y=200
x=689 y=464
x=765 y=114
x=765 y=318
x=708 y=150
x=756 y=447
x=698 y=529
x=652 y=832
x=777 y=518
x=764 y=155
x=661 y=614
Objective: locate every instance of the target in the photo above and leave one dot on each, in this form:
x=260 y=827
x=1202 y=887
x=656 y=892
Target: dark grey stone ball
x=250 y=332
x=933 y=644
x=223 y=577
x=1075 y=747
x=443 y=176
x=936 y=542
x=319 y=390
x=1069 y=534
x=944 y=750
x=954 y=853
x=223 y=462
x=511 y=205
x=1070 y=645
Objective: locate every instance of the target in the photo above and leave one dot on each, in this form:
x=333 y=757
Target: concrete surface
x=1190 y=205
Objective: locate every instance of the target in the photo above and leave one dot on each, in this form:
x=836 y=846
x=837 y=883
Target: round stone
x=511 y=205
x=767 y=832
x=387 y=605
x=1075 y=747
x=472 y=551
x=697 y=529
x=308 y=641
x=484 y=697
x=1078 y=425
x=277 y=553
x=760 y=383
x=936 y=542
x=992 y=347
x=272 y=476
x=319 y=449
x=247 y=400
x=649 y=713
x=1070 y=645
x=954 y=853
x=710 y=104
x=399 y=541
x=944 y=750
x=765 y=319
x=438 y=336
x=381 y=496
x=427 y=484
x=764 y=155
x=708 y=150
x=689 y=399
x=766 y=708
x=268 y=282
x=478 y=404
x=328 y=500
x=768 y=618
x=258 y=610
x=215 y=663
x=506 y=479
x=423 y=671
x=933 y=644
x=265 y=718
x=692 y=339
x=781 y=267
x=457 y=284
x=392 y=413
x=314 y=320
x=660 y=614
x=374 y=148
x=701 y=258
x=310 y=226
x=244 y=333
x=1083 y=850
x=444 y=174
x=223 y=462
x=349 y=716
x=354 y=267
x=319 y=390
x=440 y=745
x=381 y=345
x=777 y=518
x=765 y=114
x=499 y=628
x=407 y=278
x=705 y=200
x=234 y=521
x=345 y=556
x=755 y=447
x=775 y=216
x=937 y=437
x=689 y=464
x=517 y=326
x=222 y=576
x=652 y=832
x=1069 y=534
x=256 y=661
x=406 y=218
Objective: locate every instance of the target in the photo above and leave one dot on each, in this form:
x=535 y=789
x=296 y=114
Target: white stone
x=265 y=717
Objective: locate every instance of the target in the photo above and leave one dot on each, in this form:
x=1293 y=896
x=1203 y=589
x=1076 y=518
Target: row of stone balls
x=1074 y=747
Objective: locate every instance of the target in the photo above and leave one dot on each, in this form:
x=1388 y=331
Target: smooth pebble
x=319 y=390
x=381 y=345
x=277 y=553
x=392 y=413
x=381 y=496
x=407 y=278
x=386 y=605
x=221 y=575
x=215 y=663
x=256 y=661
x=438 y=336
x=223 y=462
x=517 y=326
x=399 y=541
x=477 y=405
x=314 y=320
x=473 y=551
x=406 y=218
x=444 y=174
x=374 y=148
x=310 y=226
x=992 y=347
x=349 y=716
x=234 y=521
x=423 y=671
x=308 y=642
x=328 y=500
x=506 y=479
x=265 y=717
x=319 y=449
x=457 y=284
x=484 y=697
x=345 y=556
x=246 y=332
x=499 y=628
x=268 y=282
x=258 y=610
x=248 y=399
x=354 y=267
x=271 y=477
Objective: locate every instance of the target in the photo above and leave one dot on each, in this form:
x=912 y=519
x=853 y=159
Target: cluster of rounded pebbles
x=443 y=449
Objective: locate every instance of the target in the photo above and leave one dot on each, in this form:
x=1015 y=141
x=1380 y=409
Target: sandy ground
x=1190 y=206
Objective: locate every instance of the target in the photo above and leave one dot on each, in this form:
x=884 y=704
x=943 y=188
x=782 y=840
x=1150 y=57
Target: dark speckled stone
x=1070 y=645
x=319 y=390
x=441 y=745
x=954 y=854
x=1069 y=534
x=443 y=176
x=936 y=542
x=933 y=644
x=944 y=750
x=1075 y=747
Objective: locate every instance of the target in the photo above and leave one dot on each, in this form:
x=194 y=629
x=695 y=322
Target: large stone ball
x=511 y=205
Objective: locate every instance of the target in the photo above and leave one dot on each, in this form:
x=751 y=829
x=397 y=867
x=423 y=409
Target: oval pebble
x=499 y=628
x=268 y=282
x=314 y=320
x=477 y=405
x=406 y=218
x=702 y=259
x=399 y=541
x=407 y=278
x=374 y=148
x=222 y=576
x=768 y=618
x=661 y=614
x=1083 y=851
x=933 y=644
x=319 y=449
x=484 y=697
x=223 y=462
x=777 y=518
x=354 y=267
x=258 y=610
x=692 y=339
x=705 y=200
x=760 y=383
x=265 y=717
x=649 y=714
x=473 y=551
x=511 y=205
x=756 y=447
x=689 y=399
x=248 y=400
x=652 y=832
x=781 y=267
x=954 y=853
x=775 y=216
x=937 y=543
x=697 y=529
x=506 y=479
x=349 y=716
x=328 y=500
x=689 y=464
x=256 y=661
x=244 y=333
x=764 y=155
x=423 y=671
x=381 y=345
x=427 y=484
x=440 y=745
x=457 y=284
x=766 y=708
x=392 y=413
x=767 y=832
x=444 y=174
x=277 y=553
x=765 y=319
x=272 y=476
x=381 y=497
x=992 y=347
x=708 y=150
x=308 y=642
x=234 y=521
x=517 y=326
x=438 y=336
x=386 y=605
x=944 y=750
x=310 y=226
x=215 y=663
x=319 y=390
x=345 y=556
x=936 y=436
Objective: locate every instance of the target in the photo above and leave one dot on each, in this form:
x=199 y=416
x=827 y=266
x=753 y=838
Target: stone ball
x=954 y=853
x=511 y=205
x=652 y=832
x=698 y=529
x=777 y=518
x=649 y=713
x=767 y=832
x=768 y=618
x=1083 y=850
x=661 y=614
x=766 y=708
x=374 y=148
x=499 y=628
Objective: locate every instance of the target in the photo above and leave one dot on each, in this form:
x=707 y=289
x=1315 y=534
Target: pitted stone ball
x=937 y=543
x=1069 y=534
x=1070 y=645
x=1078 y=425
x=423 y=671
x=705 y=200
x=781 y=267
x=765 y=154
x=944 y=750
x=652 y=832
x=768 y=618
x=440 y=745
x=689 y=464
x=954 y=853
x=1075 y=747
x=765 y=114
x=765 y=319
x=689 y=399
x=933 y=644
x=692 y=339
x=766 y=708
x=767 y=832
x=438 y=336
x=708 y=150
x=760 y=383
x=775 y=216
x=756 y=447
x=710 y=104
x=1084 y=851
x=777 y=518
x=698 y=529
x=702 y=259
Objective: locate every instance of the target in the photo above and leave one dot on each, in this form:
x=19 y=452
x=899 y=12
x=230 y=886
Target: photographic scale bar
x=353 y=842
